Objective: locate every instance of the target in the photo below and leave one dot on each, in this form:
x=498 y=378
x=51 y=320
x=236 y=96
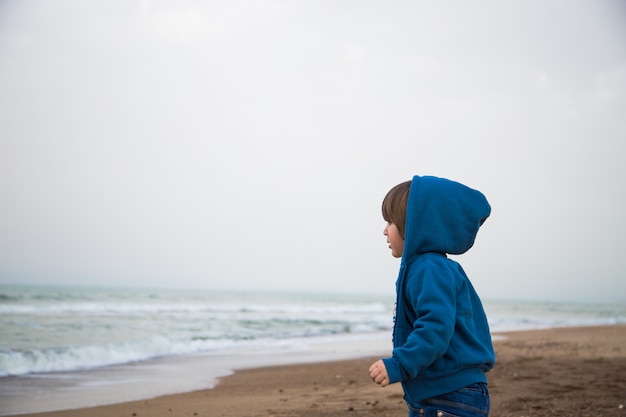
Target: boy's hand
x=378 y=373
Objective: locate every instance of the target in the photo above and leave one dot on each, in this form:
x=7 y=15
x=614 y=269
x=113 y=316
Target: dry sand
x=558 y=372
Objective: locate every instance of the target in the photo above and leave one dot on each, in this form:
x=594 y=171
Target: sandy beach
x=557 y=372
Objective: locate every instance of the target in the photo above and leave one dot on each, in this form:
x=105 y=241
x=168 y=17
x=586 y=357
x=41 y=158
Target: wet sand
x=557 y=372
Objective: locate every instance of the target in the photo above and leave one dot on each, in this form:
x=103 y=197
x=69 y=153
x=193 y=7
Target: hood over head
x=442 y=216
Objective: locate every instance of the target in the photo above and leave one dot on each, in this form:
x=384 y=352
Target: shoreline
x=36 y=393
x=566 y=371
x=537 y=371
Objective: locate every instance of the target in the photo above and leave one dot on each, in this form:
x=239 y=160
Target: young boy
x=442 y=345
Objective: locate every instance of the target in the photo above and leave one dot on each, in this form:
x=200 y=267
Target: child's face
x=396 y=243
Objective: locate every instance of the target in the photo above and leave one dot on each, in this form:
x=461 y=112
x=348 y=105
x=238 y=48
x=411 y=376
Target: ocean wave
x=74 y=358
x=51 y=330
x=264 y=336
x=128 y=308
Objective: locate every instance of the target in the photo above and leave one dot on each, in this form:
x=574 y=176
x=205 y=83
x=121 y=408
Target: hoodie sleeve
x=431 y=293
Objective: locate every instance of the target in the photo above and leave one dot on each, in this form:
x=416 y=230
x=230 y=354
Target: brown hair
x=394 y=205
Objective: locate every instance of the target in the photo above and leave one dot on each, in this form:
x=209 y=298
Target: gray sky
x=248 y=144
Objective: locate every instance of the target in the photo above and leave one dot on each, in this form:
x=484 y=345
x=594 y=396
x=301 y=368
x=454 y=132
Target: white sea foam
x=68 y=329
x=58 y=342
x=54 y=330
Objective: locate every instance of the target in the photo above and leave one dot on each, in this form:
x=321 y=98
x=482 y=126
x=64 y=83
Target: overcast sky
x=249 y=144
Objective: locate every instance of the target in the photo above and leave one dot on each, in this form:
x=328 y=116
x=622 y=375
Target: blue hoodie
x=441 y=337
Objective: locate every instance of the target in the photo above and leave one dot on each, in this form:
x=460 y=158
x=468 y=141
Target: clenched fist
x=378 y=373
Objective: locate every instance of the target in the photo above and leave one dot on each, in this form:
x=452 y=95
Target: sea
x=71 y=347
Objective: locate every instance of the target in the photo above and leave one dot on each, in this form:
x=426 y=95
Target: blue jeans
x=471 y=401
